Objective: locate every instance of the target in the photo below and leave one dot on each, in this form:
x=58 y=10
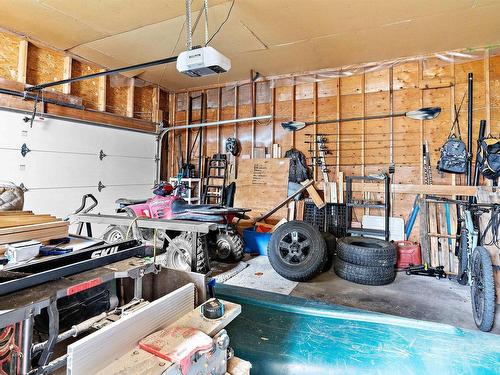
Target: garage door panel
x=64 y=163
x=55 y=170
x=127 y=171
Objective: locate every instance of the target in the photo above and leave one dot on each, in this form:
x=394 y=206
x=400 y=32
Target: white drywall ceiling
x=272 y=37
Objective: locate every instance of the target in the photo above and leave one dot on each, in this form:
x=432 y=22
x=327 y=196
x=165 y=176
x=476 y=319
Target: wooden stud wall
x=362 y=147
x=26 y=63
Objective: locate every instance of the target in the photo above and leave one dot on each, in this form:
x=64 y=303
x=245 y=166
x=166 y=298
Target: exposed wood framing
x=22 y=63
x=487 y=94
x=219 y=117
x=66 y=88
x=156 y=113
x=273 y=114
x=130 y=97
x=337 y=137
x=315 y=128
x=294 y=99
x=101 y=93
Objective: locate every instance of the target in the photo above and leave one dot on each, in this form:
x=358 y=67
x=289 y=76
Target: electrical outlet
x=22 y=167
x=24 y=133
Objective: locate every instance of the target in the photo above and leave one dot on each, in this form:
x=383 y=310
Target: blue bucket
x=256 y=242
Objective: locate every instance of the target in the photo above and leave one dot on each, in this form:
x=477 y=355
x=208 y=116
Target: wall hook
x=100 y=186
x=23 y=187
x=102 y=155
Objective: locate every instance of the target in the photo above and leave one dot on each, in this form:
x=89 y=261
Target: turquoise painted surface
x=288 y=335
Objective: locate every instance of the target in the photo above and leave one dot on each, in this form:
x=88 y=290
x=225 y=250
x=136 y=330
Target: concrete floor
x=417 y=297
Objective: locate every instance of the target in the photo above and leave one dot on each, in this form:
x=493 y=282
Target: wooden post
x=130 y=97
x=315 y=129
x=487 y=93
x=293 y=109
x=421 y=139
x=156 y=114
x=68 y=61
x=337 y=159
x=273 y=113
x=253 y=89
x=101 y=93
x=22 y=61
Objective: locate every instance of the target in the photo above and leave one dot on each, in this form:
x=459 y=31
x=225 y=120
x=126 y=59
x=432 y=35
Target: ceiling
x=272 y=37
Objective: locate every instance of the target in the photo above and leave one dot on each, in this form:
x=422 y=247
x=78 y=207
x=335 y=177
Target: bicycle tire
x=482 y=289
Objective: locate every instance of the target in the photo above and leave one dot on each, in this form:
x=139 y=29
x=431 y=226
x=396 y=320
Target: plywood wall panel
x=87 y=89
x=44 y=66
x=116 y=95
x=377 y=81
x=405 y=75
x=143 y=104
x=9 y=54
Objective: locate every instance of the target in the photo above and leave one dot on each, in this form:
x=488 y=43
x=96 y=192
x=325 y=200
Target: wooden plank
x=443 y=241
x=424 y=230
x=340 y=195
x=30 y=227
x=22 y=63
x=15 y=212
x=434 y=241
x=299 y=209
x=413 y=189
x=313 y=194
x=41 y=235
x=9 y=221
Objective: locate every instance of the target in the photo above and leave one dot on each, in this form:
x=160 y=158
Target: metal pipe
x=42 y=86
x=26 y=345
x=200 y=138
x=203 y=125
x=73 y=332
x=470 y=99
x=51 y=366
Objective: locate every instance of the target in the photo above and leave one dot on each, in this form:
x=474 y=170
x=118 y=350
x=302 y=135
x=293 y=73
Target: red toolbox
x=408 y=252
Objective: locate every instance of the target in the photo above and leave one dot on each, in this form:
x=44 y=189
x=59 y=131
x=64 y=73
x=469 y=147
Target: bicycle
x=475 y=267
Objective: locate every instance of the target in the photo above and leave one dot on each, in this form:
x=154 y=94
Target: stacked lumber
x=16 y=226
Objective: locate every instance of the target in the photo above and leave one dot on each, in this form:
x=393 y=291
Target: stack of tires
x=367 y=261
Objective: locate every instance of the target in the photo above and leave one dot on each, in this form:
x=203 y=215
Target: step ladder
x=215 y=181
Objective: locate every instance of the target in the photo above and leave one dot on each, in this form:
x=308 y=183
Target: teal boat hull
x=288 y=335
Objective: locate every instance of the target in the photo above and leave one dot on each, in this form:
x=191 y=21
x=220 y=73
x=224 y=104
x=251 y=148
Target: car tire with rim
x=297 y=251
x=365 y=251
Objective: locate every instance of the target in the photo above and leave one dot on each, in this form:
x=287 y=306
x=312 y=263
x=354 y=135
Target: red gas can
x=408 y=252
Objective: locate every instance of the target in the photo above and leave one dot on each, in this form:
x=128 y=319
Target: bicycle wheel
x=482 y=289
x=462 y=258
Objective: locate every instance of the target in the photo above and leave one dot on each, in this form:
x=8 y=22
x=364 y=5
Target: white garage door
x=64 y=163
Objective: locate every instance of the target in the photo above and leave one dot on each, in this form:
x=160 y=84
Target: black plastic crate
x=330 y=218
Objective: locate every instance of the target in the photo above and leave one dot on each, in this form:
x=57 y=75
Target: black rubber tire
x=173 y=259
x=315 y=251
x=365 y=251
x=331 y=245
x=364 y=274
x=462 y=255
x=483 y=308
x=229 y=246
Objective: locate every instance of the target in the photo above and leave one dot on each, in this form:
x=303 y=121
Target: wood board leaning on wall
x=261 y=184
